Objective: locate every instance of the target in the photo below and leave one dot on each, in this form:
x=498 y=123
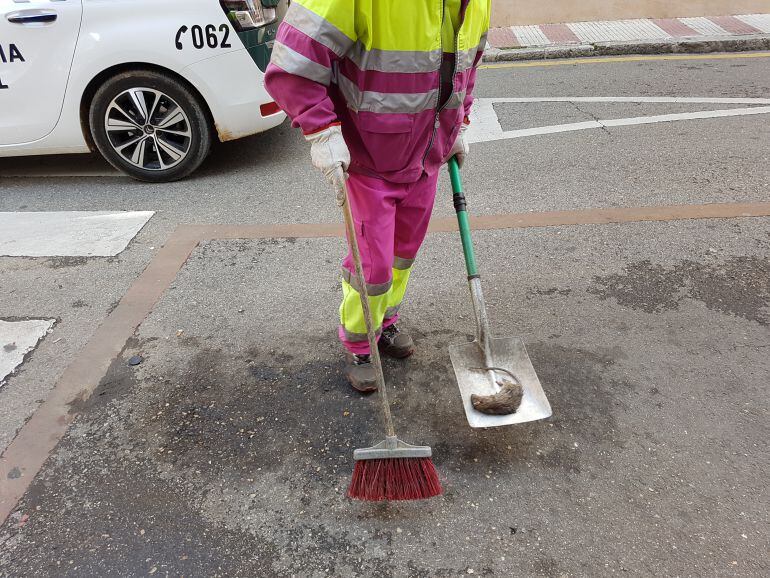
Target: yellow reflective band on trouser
x=373 y=289
x=397 y=291
x=384 y=306
x=352 y=314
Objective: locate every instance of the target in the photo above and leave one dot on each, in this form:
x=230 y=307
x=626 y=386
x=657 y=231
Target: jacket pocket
x=387 y=138
x=385 y=123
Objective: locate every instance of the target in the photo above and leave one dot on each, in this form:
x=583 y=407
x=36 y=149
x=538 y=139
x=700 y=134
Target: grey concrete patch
x=228 y=450
x=68 y=233
x=530 y=115
x=17 y=339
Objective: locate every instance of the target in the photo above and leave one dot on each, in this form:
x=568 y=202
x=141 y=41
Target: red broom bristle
x=394 y=479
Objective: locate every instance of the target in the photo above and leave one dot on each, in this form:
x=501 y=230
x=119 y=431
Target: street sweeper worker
x=381 y=89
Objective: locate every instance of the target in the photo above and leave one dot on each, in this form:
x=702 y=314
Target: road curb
x=700 y=45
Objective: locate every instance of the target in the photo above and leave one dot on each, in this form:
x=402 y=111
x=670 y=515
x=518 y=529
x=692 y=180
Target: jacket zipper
x=436 y=122
x=438 y=92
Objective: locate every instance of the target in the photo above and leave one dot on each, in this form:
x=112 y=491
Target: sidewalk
x=642 y=36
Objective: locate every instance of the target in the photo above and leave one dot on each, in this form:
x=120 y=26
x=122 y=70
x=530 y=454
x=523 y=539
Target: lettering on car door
x=9 y=54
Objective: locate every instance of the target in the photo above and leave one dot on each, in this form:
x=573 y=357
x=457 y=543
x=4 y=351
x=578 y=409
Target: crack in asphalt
x=593 y=116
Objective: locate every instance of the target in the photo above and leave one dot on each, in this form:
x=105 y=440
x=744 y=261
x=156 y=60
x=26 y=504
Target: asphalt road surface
x=227 y=451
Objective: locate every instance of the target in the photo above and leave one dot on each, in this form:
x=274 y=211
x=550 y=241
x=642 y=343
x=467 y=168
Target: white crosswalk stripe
x=704 y=26
x=617 y=30
x=759 y=21
x=69 y=233
x=530 y=36
x=17 y=339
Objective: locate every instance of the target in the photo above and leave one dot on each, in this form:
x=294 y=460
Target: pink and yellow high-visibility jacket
x=374 y=66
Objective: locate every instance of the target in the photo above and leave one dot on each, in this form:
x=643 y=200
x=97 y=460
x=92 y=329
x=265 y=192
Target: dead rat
x=504 y=402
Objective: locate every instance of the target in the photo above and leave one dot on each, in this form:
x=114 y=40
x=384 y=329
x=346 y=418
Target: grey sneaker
x=360 y=372
x=396 y=343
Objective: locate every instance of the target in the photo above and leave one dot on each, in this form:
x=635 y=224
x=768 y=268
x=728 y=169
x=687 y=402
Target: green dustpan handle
x=462 y=218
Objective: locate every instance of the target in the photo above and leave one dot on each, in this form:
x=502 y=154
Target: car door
x=37 y=42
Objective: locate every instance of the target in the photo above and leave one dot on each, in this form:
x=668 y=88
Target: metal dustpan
x=509 y=358
x=482 y=364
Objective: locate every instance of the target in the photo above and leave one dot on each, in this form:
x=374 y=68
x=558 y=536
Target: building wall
x=510 y=12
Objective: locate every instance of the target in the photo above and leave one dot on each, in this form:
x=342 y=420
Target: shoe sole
x=360 y=388
x=363 y=389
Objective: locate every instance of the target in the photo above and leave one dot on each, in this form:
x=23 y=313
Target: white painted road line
x=552 y=129
x=485 y=127
x=17 y=338
x=69 y=233
x=686 y=116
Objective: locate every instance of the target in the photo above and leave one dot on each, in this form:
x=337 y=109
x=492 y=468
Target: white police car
x=149 y=83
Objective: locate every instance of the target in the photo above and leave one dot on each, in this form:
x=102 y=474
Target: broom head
x=394 y=470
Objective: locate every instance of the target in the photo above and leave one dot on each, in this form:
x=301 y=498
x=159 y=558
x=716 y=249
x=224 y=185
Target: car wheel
x=150 y=126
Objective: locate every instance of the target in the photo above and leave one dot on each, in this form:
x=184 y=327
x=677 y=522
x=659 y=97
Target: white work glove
x=460 y=149
x=329 y=152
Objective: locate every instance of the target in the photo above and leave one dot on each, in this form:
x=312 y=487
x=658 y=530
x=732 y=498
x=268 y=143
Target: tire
x=150 y=126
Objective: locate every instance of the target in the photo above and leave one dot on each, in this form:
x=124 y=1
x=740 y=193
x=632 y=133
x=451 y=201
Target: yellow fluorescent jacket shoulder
x=402 y=25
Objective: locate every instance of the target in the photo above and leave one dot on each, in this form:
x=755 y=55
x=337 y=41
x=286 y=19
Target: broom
x=391 y=470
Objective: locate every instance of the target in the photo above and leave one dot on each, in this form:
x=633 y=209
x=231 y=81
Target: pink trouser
x=391 y=221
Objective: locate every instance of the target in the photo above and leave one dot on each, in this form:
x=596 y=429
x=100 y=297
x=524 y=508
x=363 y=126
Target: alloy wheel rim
x=148 y=129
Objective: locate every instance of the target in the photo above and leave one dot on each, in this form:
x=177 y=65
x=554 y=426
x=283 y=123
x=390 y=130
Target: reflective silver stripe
x=373 y=289
x=318 y=29
x=402 y=264
x=385 y=102
x=295 y=63
x=456 y=100
x=350 y=336
x=391 y=312
x=465 y=59
x=394 y=60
